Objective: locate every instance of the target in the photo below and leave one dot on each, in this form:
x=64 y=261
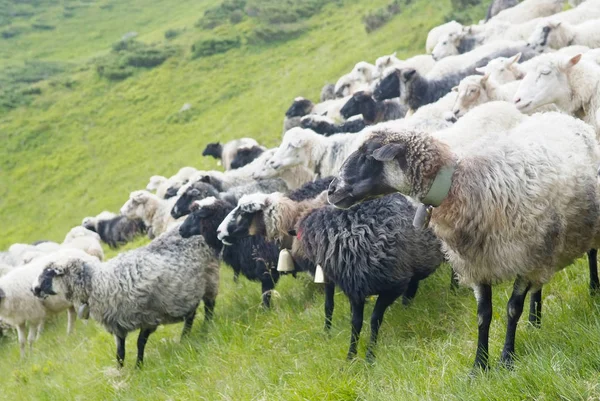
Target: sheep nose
x=456 y=112
x=36 y=291
x=517 y=100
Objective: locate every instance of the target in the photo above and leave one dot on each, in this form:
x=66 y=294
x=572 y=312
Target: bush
x=42 y=26
x=378 y=18
x=466 y=11
x=228 y=10
x=171 y=33
x=114 y=71
x=276 y=33
x=284 y=11
x=12 y=31
x=236 y=16
x=208 y=47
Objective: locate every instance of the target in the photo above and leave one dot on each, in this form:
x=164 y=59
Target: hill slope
x=84 y=143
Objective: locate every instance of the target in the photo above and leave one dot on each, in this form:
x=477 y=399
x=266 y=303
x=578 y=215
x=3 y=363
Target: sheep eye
x=545 y=72
x=444 y=43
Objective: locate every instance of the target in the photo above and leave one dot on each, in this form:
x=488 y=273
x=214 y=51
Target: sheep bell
x=319 y=275
x=285 y=262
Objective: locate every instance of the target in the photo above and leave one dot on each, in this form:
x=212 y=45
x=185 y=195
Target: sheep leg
x=410 y=292
x=187 y=324
x=593 y=262
x=453 y=280
x=358 y=309
x=535 y=308
x=209 y=310
x=483 y=294
x=329 y=303
x=267 y=287
x=141 y=345
x=33 y=333
x=514 y=309
x=39 y=329
x=383 y=302
x=22 y=337
x=120 y=340
x=71 y=318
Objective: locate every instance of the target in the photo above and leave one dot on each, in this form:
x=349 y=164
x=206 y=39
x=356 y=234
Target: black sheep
x=373 y=112
x=253 y=257
x=196 y=191
x=246 y=155
x=326 y=126
x=116 y=231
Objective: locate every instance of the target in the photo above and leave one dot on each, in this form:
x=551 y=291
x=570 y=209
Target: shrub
x=378 y=18
x=466 y=11
x=276 y=32
x=171 y=33
x=42 y=26
x=208 y=47
x=228 y=10
x=236 y=16
x=126 y=55
x=114 y=71
x=12 y=31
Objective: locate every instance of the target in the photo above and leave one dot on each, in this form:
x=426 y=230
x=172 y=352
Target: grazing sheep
x=160 y=283
x=541 y=175
x=154 y=211
x=528 y=10
x=86 y=240
x=19 y=307
x=326 y=126
x=246 y=156
x=115 y=231
x=370 y=249
x=190 y=193
x=327 y=93
x=322 y=155
x=569 y=83
x=226 y=152
x=373 y=112
x=434 y=34
x=552 y=34
x=499 y=5
x=170 y=187
x=476 y=89
x=294 y=177
x=253 y=257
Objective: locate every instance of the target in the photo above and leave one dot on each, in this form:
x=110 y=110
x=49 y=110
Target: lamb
x=226 y=152
x=435 y=33
x=246 y=156
x=422 y=63
x=528 y=10
x=569 y=83
x=154 y=211
x=544 y=179
x=476 y=89
x=190 y=193
x=160 y=283
x=552 y=34
x=326 y=126
x=373 y=112
x=389 y=256
x=115 y=231
x=18 y=306
x=322 y=155
x=499 y=5
x=254 y=257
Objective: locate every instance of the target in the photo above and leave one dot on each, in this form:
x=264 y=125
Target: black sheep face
x=356 y=104
x=388 y=87
x=196 y=191
x=245 y=156
x=204 y=219
x=363 y=175
x=213 y=149
x=299 y=108
x=245 y=220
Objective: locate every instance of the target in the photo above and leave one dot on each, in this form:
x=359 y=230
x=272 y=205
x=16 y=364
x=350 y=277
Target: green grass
x=84 y=143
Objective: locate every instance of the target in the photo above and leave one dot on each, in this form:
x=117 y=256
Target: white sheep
x=553 y=34
x=86 y=240
x=435 y=33
x=569 y=83
x=423 y=63
x=528 y=10
x=19 y=307
x=518 y=205
x=155 y=212
x=476 y=89
x=155 y=182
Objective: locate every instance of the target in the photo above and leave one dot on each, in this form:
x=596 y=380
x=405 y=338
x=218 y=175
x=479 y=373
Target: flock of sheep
x=483 y=153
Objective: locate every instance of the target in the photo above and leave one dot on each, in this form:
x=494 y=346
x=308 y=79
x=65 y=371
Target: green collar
x=440 y=186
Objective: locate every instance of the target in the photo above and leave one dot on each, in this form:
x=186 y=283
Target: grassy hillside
x=79 y=143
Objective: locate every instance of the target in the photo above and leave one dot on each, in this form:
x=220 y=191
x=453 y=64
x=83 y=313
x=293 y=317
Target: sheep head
x=447 y=45
x=300 y=107
x=213 y=149
x=361 y=102
x=471 y=92
x=389 y=86
x=134 y=207
x=503 y=69
x=246 y=219
x=155 y=182
x=547 y=84
x=294 y=149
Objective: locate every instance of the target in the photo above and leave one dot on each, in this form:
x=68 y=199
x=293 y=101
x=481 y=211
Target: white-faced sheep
x=422 y=63
x=571 y=84
x=557 y=34
x=160 y=283
x=326 y=126
x=543 y=178
x=373 y=112
x=154 y=211
x=253 y=257
x=528 y=10
x=477 y=89
x=227 y=152
x=19 y=307
x=155 y=182
x=434 y=34
x=169 y=188
x=86 y=240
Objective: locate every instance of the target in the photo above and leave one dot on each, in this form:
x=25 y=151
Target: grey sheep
x=160 y=283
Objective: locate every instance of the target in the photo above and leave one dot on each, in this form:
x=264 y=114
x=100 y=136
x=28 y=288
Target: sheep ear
x=572 y=61
x=205 y=179
x=515 y=58
x=484 y=79
x=297 y=142
x=408 y=74
x=393 y=54
x=389 y=152
x=480 y=70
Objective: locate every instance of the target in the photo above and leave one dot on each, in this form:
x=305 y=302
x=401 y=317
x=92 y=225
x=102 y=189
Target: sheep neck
x=79 y=284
